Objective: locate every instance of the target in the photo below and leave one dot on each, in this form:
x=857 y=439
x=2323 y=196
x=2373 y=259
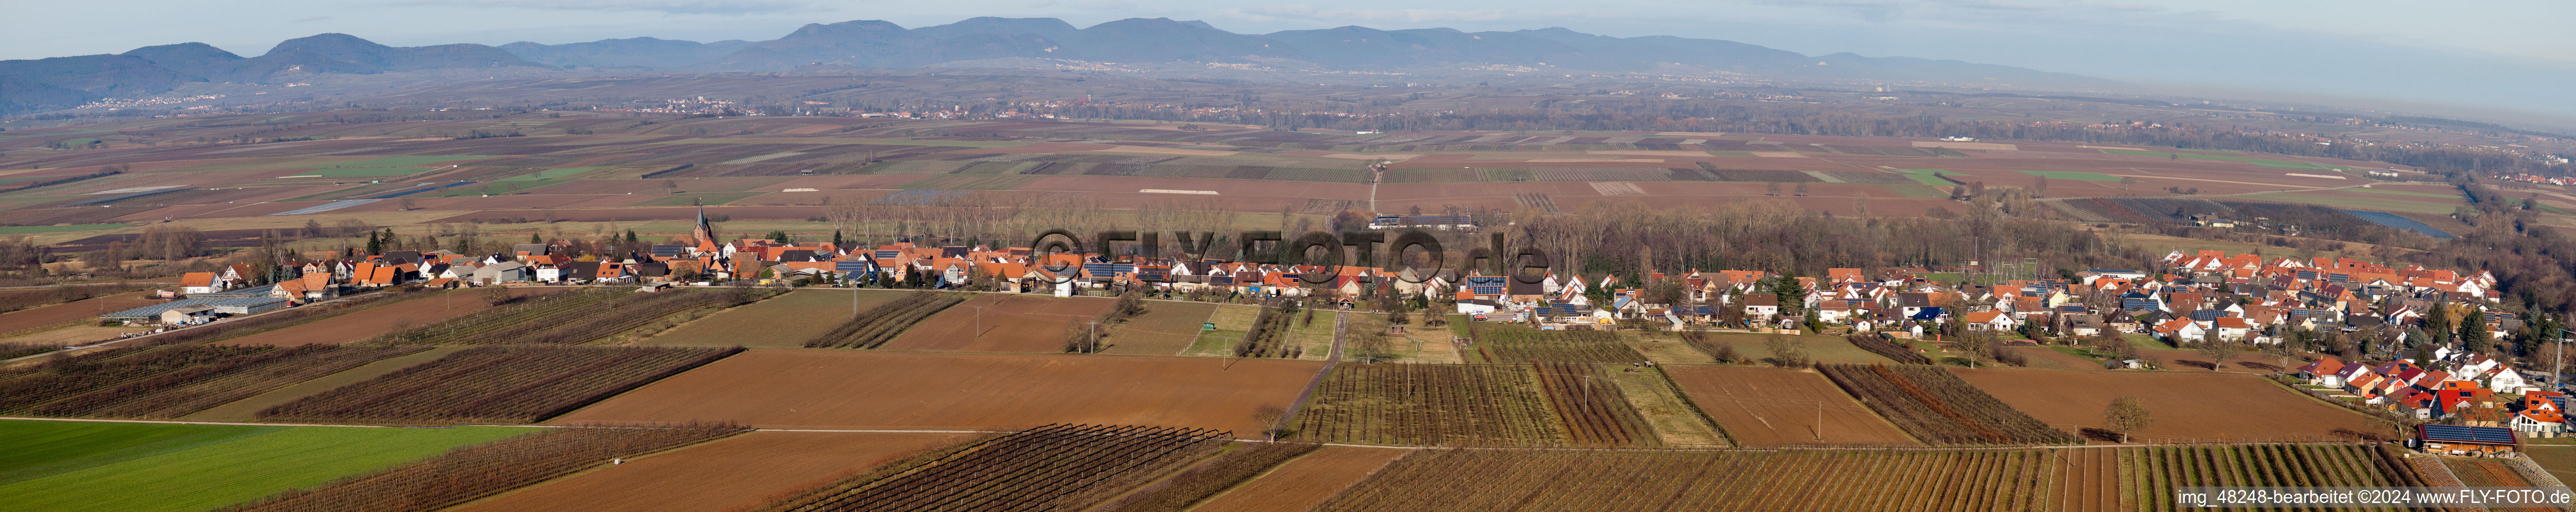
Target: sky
x=2503 y=55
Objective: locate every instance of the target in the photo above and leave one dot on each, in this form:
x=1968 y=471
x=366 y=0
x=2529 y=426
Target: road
x=1341 y=327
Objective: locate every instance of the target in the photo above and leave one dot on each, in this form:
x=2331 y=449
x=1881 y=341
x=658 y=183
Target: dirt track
x=828 y=389
x=738 y=471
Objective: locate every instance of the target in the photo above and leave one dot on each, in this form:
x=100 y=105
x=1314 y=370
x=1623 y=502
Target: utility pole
x=1820 y=421
x=1094 y=339
x=979 y=322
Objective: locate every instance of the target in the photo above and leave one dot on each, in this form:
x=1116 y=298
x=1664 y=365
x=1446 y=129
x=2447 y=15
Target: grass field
x=2559 y=460
x=159 y=467
x=1232 y=321
x=14 y=230
x=1928 y=177
x=549 y=174
x=2276 y=164
x=2454 y=197
x=363 y=172
x=2072 y=175
x=1166 y=328
x=488 y=188
x=785 y=321
x=1823 y=349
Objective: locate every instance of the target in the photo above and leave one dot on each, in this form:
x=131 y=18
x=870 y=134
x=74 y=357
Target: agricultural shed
x=231 y=306
x=2462 y=440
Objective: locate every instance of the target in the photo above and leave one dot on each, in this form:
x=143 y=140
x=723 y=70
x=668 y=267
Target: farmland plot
x=191 y=468
x=1430 y=405
x=498 y=385
x=339 y=322
x=1694 y=480
x=1937 y=406
x=1054 y=467
x=575 y=318
x=1304 y=482
x=482 y=470
x=834 y=389
x=1767 y=407
x=1166 y=328
x=1011 y=323
x=2076 y=398
x=781 y=322
x=170 y=381
x=725 y=474
x=1513 y=344
x=2149 y=476
x=876 y=326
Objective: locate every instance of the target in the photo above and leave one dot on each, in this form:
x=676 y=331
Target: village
x=2337 y=312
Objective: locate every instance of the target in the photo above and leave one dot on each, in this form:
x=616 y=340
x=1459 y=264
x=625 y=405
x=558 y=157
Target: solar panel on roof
x=849 y=266
x=2465 y=434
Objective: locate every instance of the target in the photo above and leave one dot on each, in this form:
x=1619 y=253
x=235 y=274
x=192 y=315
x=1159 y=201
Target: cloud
x=309 y=19
x=693 y=7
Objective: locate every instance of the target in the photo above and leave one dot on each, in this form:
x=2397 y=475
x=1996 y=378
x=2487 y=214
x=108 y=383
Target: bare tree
x=1270 y=416
x=2127 y=414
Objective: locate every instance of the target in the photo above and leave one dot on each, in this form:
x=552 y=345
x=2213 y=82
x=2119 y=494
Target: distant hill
x=40 y=84
x=640 y=52
x=64 y=82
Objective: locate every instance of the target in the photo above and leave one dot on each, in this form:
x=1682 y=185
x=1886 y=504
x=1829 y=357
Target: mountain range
x=61 y=82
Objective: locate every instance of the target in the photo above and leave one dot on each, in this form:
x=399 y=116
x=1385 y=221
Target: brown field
x=2241 y=362
x=1166 y=328
x=1011 y=323
x=785 y=321
x=1302 y=483
x=818 y=389
x=48 y=316
x=733 y=472
x=2042 y=357
x=382 y=318
x=1764 y=407
x=71 y=336
x=2180 y=402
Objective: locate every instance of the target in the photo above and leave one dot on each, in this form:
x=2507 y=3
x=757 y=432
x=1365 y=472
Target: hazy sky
x=2430 y=51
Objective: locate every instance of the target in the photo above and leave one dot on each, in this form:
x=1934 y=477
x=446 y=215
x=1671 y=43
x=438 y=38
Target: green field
x=2276 y=164
x=1823 y=349
x=488 y=188
x=2404 y=193
x=1929 y=177
x=549 y=174
x=59 y=465
x=409 y=160
x=13 y=230
x=715 y=198
x=362 y=172
x=2072 y=175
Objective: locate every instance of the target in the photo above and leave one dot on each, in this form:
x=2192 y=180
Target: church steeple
x=706 y=234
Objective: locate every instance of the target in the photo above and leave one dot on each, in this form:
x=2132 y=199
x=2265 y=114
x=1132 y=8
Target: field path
x=1341 y=325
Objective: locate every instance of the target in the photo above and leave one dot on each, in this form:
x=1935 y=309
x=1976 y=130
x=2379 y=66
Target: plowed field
x=1763 y=407
x=732 y=472
x=2181 y=402
x=71 y=311
x=1011 y=323
x=1304 y=482
x=785 y=321
x=831 y=389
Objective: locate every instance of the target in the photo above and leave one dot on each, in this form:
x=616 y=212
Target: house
x=2327 y=371
x=2459 y=440
x=198 y=282
x=1990 y=321
x=1761 y=305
